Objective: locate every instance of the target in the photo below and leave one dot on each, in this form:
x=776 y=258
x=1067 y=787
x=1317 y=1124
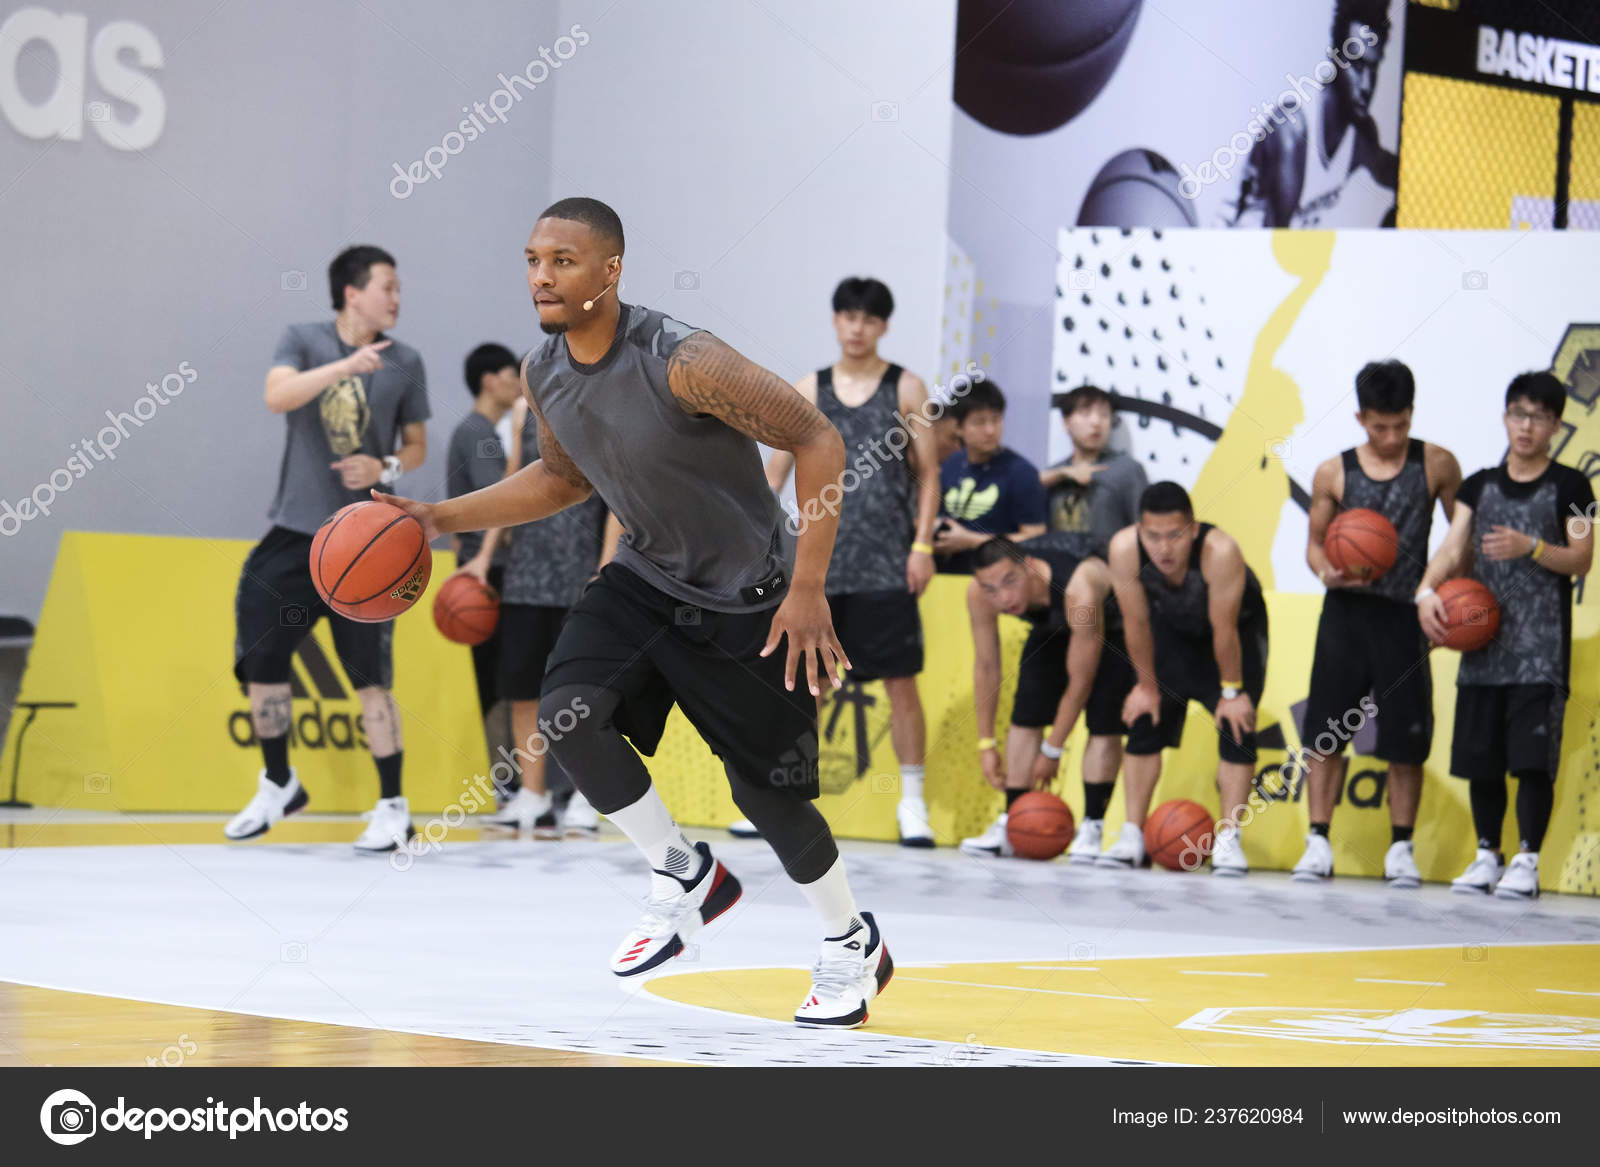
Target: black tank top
x=1405 y=501
x=877 y=518
x=1063 y=563
x=1186 y=608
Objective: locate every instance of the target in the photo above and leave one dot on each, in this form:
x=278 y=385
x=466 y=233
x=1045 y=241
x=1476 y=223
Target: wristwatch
x=1050 y=751
x=1229 y=692
x=391 y=470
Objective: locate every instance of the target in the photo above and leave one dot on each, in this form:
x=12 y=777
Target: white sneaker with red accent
x=676 y=910
x=852 y=970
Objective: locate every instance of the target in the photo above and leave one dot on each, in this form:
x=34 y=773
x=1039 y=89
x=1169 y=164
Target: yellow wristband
x=1538 y=550
x=1233 y=684
x=925 y=548
x=986 y=743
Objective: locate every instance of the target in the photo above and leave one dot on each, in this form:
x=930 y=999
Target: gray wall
x=738 y=141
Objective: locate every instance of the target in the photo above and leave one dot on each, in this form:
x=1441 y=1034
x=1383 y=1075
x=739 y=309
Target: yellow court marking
x=183 y=832
x=49 y=1027
x=1520 y=1005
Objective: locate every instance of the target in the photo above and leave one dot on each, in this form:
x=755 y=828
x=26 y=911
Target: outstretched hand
x=804 y=617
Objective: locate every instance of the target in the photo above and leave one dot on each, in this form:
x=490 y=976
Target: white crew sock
x=649 y=825
x=830 y=896
x=911 y=782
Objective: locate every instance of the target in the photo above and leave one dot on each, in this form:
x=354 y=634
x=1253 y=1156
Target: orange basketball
x=1039 y=825
x=1361 y=543
x=369 y=562
x=1471 y=615
x=465 y=610
x=1178 y=835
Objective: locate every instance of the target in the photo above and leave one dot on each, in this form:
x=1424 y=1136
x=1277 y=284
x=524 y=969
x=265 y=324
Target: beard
x=552 y=329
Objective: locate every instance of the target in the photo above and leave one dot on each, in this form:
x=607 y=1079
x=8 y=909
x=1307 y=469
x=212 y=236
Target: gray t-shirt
x=690 y=491
x=551 y=559
x=477 y=460
x=355 y=415
x=1109 y=503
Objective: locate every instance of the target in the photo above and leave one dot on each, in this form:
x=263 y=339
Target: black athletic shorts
x=653 y=650
x=1501 y=728
x=486 y=656
x=527 y=634
x=1186 y=670
x=1371 y=645
x=1042 y=678
x=275 y=608
x=881 y=633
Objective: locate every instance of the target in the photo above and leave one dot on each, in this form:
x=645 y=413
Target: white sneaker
x=851 y=971
x=1316 y=865
x=1227 y=857
x=1086 y=843
x=388 y=826
x=271 y=803
x=991 y=842
x=1480 y=876
x=673 y=913
x=1400 y=866
x=1127 y=851
x=522 y=810
x=580 y=819
x=743 y=829
x=1521 y=880
x=912 y=816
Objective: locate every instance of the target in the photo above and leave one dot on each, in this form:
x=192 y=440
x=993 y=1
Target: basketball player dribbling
x=662 y=420
x=1368 y=637
x=350 y=395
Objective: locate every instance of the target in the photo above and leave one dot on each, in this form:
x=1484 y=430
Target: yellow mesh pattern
x=1468 y=150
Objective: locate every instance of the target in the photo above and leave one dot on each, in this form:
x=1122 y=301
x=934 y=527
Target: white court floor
x=505 y=940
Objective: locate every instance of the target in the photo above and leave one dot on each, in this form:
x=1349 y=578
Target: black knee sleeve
x=792 y=826
x=1488 y=798
x=593 y=752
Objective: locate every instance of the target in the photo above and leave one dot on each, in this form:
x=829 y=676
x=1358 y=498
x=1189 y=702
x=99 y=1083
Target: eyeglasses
x=1531 y=417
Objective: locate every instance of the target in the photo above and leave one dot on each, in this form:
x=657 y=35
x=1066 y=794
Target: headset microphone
x=588 y=304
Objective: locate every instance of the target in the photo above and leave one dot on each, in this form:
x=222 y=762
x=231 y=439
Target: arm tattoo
x=708 y=377
x=556 y=459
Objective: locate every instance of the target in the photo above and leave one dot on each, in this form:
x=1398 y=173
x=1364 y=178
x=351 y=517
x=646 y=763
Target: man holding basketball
x=1522 y=529
x=1368 y=638
x=1196 y=628
x=1073 y=661
x=355 y=402
x=662 y=420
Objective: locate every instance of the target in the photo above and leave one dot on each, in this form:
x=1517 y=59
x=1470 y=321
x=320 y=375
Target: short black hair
x=1543 y=389
x=1385 y=387
x=979 y=395
x=1373 y=13
x=1166 y=498
x=996 y=549
x=486 y=359
x=352 y=267
x=1084 y=396
x=593 y=214
x=864 y=294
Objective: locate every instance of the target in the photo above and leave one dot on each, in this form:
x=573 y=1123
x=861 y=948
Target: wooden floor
x=47 y=1027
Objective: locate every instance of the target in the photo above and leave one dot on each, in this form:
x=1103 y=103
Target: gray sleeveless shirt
x=1403 y=500
x=876 y=520
x=700 y=522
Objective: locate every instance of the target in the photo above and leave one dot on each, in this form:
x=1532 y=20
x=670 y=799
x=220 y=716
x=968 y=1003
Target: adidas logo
x=854 y=944
x=314 y=729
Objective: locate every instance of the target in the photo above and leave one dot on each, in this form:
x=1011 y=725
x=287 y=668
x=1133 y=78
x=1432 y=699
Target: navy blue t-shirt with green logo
x=995 y=497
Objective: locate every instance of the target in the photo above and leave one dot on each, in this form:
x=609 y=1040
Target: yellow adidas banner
x=137 y=634
x=860 y=774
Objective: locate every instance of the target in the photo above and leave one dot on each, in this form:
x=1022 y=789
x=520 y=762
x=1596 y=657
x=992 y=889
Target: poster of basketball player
x=1122 y=113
